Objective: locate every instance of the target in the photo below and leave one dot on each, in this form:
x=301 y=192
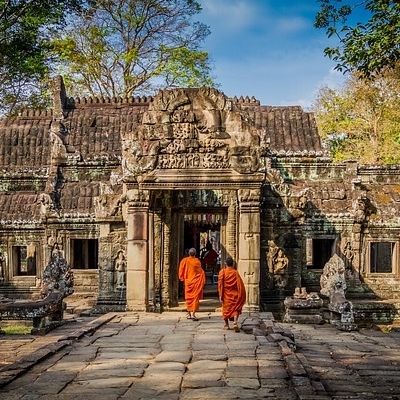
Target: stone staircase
x=23 y=292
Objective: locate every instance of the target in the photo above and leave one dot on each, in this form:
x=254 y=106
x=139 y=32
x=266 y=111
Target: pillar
x=249 y=246
x=137 y=250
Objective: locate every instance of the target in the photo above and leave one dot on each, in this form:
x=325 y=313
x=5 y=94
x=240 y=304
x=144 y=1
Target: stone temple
x=122 y=187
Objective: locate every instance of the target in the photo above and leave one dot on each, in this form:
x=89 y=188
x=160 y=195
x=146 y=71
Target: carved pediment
x=191 y=129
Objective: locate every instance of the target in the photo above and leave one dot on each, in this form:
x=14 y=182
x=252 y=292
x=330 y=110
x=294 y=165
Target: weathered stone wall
x=124 y=171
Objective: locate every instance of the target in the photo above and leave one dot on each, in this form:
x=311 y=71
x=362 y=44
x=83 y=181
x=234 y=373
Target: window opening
x=381 y=257
x=320 y=253
x=24 y=259
x=84 y=253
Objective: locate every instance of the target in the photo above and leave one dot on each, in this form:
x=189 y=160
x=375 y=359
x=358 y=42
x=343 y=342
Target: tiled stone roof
x=19 y=208
x=78 y=197
x=25 y=142
x=290 y=130
x=94 y=130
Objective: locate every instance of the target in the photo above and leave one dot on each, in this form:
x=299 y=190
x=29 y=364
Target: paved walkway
x=165 y=356
x=362 y=365
x=148 y=356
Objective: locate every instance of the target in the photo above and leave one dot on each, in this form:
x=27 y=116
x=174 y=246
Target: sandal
x=195 y=319
x=236 y=328
x=188 y=316
x=226 y=328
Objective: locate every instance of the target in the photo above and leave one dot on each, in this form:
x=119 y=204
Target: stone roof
x=78 y=198
x=94 y=130
x=25 y=142
x=90 y=131
x=290 y=129
x=19 y=208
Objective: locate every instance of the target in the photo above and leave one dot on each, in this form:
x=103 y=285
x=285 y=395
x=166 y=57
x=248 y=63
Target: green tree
x=361 y=119
x=25 y=28
x=125 y=47
x=367 y=47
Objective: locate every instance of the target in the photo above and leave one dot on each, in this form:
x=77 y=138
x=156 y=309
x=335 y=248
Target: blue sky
x=268 y=49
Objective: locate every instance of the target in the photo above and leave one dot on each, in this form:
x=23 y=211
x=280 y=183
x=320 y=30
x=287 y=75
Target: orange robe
x=192 y=274
x=232 y=292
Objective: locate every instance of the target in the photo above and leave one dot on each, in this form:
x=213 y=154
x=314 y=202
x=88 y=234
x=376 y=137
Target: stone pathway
x=363 y=365
x=159 y=356
x=165 y=356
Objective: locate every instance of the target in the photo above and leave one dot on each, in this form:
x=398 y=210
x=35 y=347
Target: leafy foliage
x=368 y=48
x=25 y=27
x=125 y=47
x=361 y=120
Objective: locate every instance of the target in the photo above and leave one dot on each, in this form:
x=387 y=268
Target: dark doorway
x=202 y=231
x=323 y=249
x=84 y=253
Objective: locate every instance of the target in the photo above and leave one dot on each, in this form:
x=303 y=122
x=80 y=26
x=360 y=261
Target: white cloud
x=291 y=25
x=232 y=15
x=268 y=49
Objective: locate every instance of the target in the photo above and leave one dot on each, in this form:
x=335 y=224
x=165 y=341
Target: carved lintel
x=250 y=196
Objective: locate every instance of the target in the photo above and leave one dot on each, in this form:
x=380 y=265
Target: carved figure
x=349 y=254
x=280 y=263
x=46 y=203
x=277 y=264
x=332 y=279
x=57 y=276
x=120 y=270
x=333 y=285
x=300 y=293
x=57 y=249
x=272 y=250
x=360 y=214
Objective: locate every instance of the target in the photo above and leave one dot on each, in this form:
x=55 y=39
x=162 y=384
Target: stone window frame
x=19 y=257
x=394 y=256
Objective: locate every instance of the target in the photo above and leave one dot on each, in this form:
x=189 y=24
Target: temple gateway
x=122 y=187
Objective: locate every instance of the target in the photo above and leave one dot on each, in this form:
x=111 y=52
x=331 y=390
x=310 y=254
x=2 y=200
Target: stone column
x=152 y=278
x=230 y=239
x=249 y=246
x=106 y=267
x=137 y=250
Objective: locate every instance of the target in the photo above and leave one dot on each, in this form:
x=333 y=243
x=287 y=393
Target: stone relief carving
x=249 y=195
x=45 y=204
x=360 y=211
x=333 y=282
x=57 y=249
x=138 y=195
x=112 y=261
x=348 y=252
x=193 y=128
x=277 y=264
x=108 y=205
x=120 y=270
x=199 y=198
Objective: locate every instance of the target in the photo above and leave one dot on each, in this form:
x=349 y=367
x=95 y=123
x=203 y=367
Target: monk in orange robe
x=232 y=294
x=194 y=278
